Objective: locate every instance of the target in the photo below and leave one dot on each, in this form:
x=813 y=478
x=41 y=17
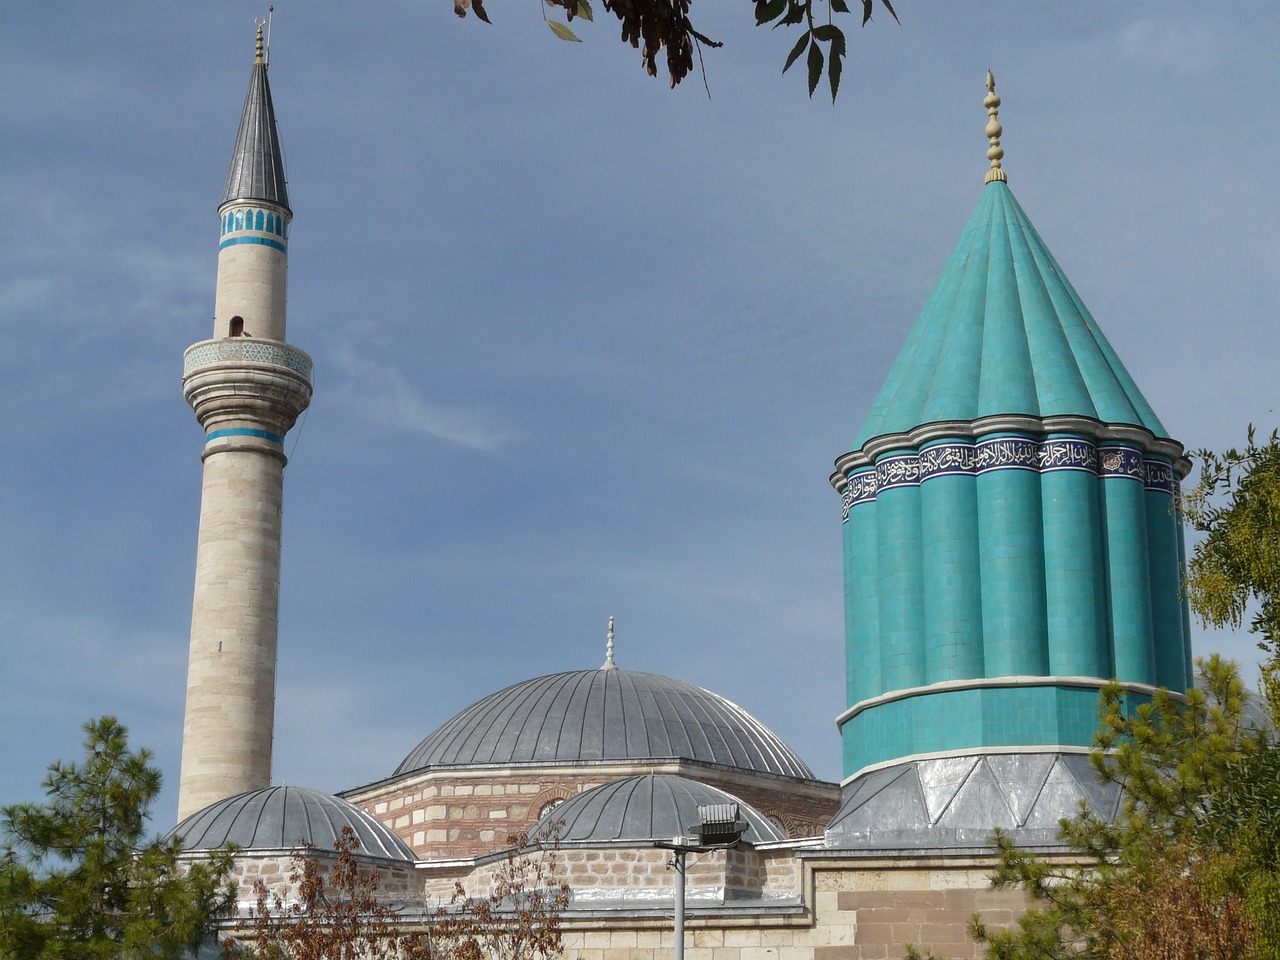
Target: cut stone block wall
x=395 y=880
x=853 y=914
x=815 y=906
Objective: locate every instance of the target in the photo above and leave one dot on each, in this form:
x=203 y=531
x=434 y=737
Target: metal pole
x=678 y=952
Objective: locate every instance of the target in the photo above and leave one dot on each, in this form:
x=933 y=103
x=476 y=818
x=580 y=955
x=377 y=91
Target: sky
x=584 y=345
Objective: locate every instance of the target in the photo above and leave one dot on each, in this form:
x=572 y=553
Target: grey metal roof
x=958 y=802
x=257 y=165
x=605 y=714
x=283 y=818
x=653 y=807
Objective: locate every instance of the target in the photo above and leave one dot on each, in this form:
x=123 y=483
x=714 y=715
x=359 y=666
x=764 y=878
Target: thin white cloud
x=75 y=272
x=1185 y=47
x=382 y=394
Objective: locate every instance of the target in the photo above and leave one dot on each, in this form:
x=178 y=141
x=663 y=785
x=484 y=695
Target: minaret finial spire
x=608 y=650
x=995 y=153
x=258 y=55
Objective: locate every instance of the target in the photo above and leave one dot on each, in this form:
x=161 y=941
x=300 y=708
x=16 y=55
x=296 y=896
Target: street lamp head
x=719 y=825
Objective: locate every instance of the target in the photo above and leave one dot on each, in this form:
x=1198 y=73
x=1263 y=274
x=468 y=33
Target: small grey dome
x=653 y=807
x=283 y=818
x=605 y=714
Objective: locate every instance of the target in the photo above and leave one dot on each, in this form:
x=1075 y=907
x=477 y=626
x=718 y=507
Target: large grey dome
x=281 y=818
x=652 y=807
x=605 y=714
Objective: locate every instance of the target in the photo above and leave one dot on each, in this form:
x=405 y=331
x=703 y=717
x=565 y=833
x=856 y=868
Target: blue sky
x=584 y=345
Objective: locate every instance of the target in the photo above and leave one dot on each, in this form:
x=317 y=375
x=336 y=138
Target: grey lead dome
x=652 y=807
x=605 y=714
x=282 y=818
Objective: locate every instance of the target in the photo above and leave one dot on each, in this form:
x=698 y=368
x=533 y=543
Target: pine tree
x=79 y=880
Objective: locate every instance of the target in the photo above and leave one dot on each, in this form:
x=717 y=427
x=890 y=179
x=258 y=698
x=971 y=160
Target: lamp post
x=718 y=828
x=679 y=861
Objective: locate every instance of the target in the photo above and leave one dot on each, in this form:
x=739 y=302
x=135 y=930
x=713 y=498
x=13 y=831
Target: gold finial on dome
x=260 y=23
x=995 y=153
x=608 y=650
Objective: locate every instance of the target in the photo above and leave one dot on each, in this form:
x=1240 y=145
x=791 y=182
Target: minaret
x=1011 y=543
x=247 y=387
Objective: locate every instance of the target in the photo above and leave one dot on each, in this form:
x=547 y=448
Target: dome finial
x=995 y=153
x=260 y=24
x=608 y=650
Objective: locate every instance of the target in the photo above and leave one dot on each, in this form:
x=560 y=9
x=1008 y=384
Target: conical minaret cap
x=257 y=164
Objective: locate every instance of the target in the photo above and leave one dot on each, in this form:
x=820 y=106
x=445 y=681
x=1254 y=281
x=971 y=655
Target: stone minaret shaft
x=247 y=387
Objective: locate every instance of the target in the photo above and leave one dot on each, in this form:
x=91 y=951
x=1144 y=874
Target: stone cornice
x=975 y=683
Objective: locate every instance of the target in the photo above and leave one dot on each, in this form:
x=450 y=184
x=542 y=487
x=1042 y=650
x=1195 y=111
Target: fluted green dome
x=1011 y=541
x=1004 y=332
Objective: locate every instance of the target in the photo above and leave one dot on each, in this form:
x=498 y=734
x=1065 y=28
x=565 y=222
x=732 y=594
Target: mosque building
x=1011 y=543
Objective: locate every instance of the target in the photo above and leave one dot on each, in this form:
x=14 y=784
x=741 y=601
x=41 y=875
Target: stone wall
x=853 y=913
x=870 y=912
x=638 y=873
x=275 y=869
x=743 y=905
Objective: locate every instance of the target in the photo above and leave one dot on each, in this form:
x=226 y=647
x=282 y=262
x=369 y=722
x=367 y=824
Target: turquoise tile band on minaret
x=261 y=241
x=245 y=432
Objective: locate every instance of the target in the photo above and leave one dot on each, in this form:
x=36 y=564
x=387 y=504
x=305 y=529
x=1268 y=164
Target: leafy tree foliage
x=340 y=918
x=518 y=919
x=1236 y=505
x=652 y=26
x=338 y=914
x=78 y=878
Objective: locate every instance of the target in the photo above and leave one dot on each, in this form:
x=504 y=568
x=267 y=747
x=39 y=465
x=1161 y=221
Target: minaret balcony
x=245 y=382
x=246 y=350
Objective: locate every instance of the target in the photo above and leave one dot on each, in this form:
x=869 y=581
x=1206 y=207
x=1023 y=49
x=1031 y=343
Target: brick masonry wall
x=450 y=814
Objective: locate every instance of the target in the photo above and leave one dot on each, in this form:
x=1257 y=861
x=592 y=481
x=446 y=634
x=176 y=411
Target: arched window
x=549 y=806
x=236 y=328
x=271 y=223
x=239 y=220
x=257 y=224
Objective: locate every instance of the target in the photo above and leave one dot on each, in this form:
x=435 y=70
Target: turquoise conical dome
x=1004 y=332
x=1011 y=539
